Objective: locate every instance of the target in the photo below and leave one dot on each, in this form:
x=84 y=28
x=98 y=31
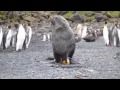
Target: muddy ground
x=93 y=60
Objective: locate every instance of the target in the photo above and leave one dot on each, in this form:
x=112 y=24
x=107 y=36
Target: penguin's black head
x=16 y=26
x=29 y=24
x=106 y=22
x=115 y=23
x=11 y=21
x=9 y=27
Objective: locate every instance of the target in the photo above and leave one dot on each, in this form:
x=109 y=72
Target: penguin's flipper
x=4 y=39
x=24 y=44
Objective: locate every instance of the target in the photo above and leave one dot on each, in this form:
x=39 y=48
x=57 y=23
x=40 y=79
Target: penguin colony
x=47 y=36
x=16 y=36
x=20 y=37
x=111 y=34
x=87 y=33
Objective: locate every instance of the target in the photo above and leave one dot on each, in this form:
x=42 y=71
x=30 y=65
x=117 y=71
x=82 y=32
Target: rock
x=100 y=17
x=9 y=14
x=29 y=18
x=61 y=12
x=2 y=22
x=73 y=12
x=89 y=38
x=97 y=11
x=89 y=14
x=46 y=15
x=77 y=18
x=107 y=14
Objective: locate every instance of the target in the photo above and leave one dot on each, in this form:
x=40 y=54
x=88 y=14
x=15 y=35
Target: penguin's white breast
x=9 y=35
x=21 y=32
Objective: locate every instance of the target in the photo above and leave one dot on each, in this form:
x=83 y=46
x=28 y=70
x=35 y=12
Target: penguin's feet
x=26 y=46
x=13 y=46
x=19 y=50
x=117 y=45
x=107 y=44
x=4 y=48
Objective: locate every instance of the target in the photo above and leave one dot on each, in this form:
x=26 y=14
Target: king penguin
x=106 y=34
x=79 y=29
x=1 y=35
x=115 y=36
x=7 y=37
x=118 y=29
x=84 y=32
x=21 y=36
x=28 y=30
x=44 y=37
